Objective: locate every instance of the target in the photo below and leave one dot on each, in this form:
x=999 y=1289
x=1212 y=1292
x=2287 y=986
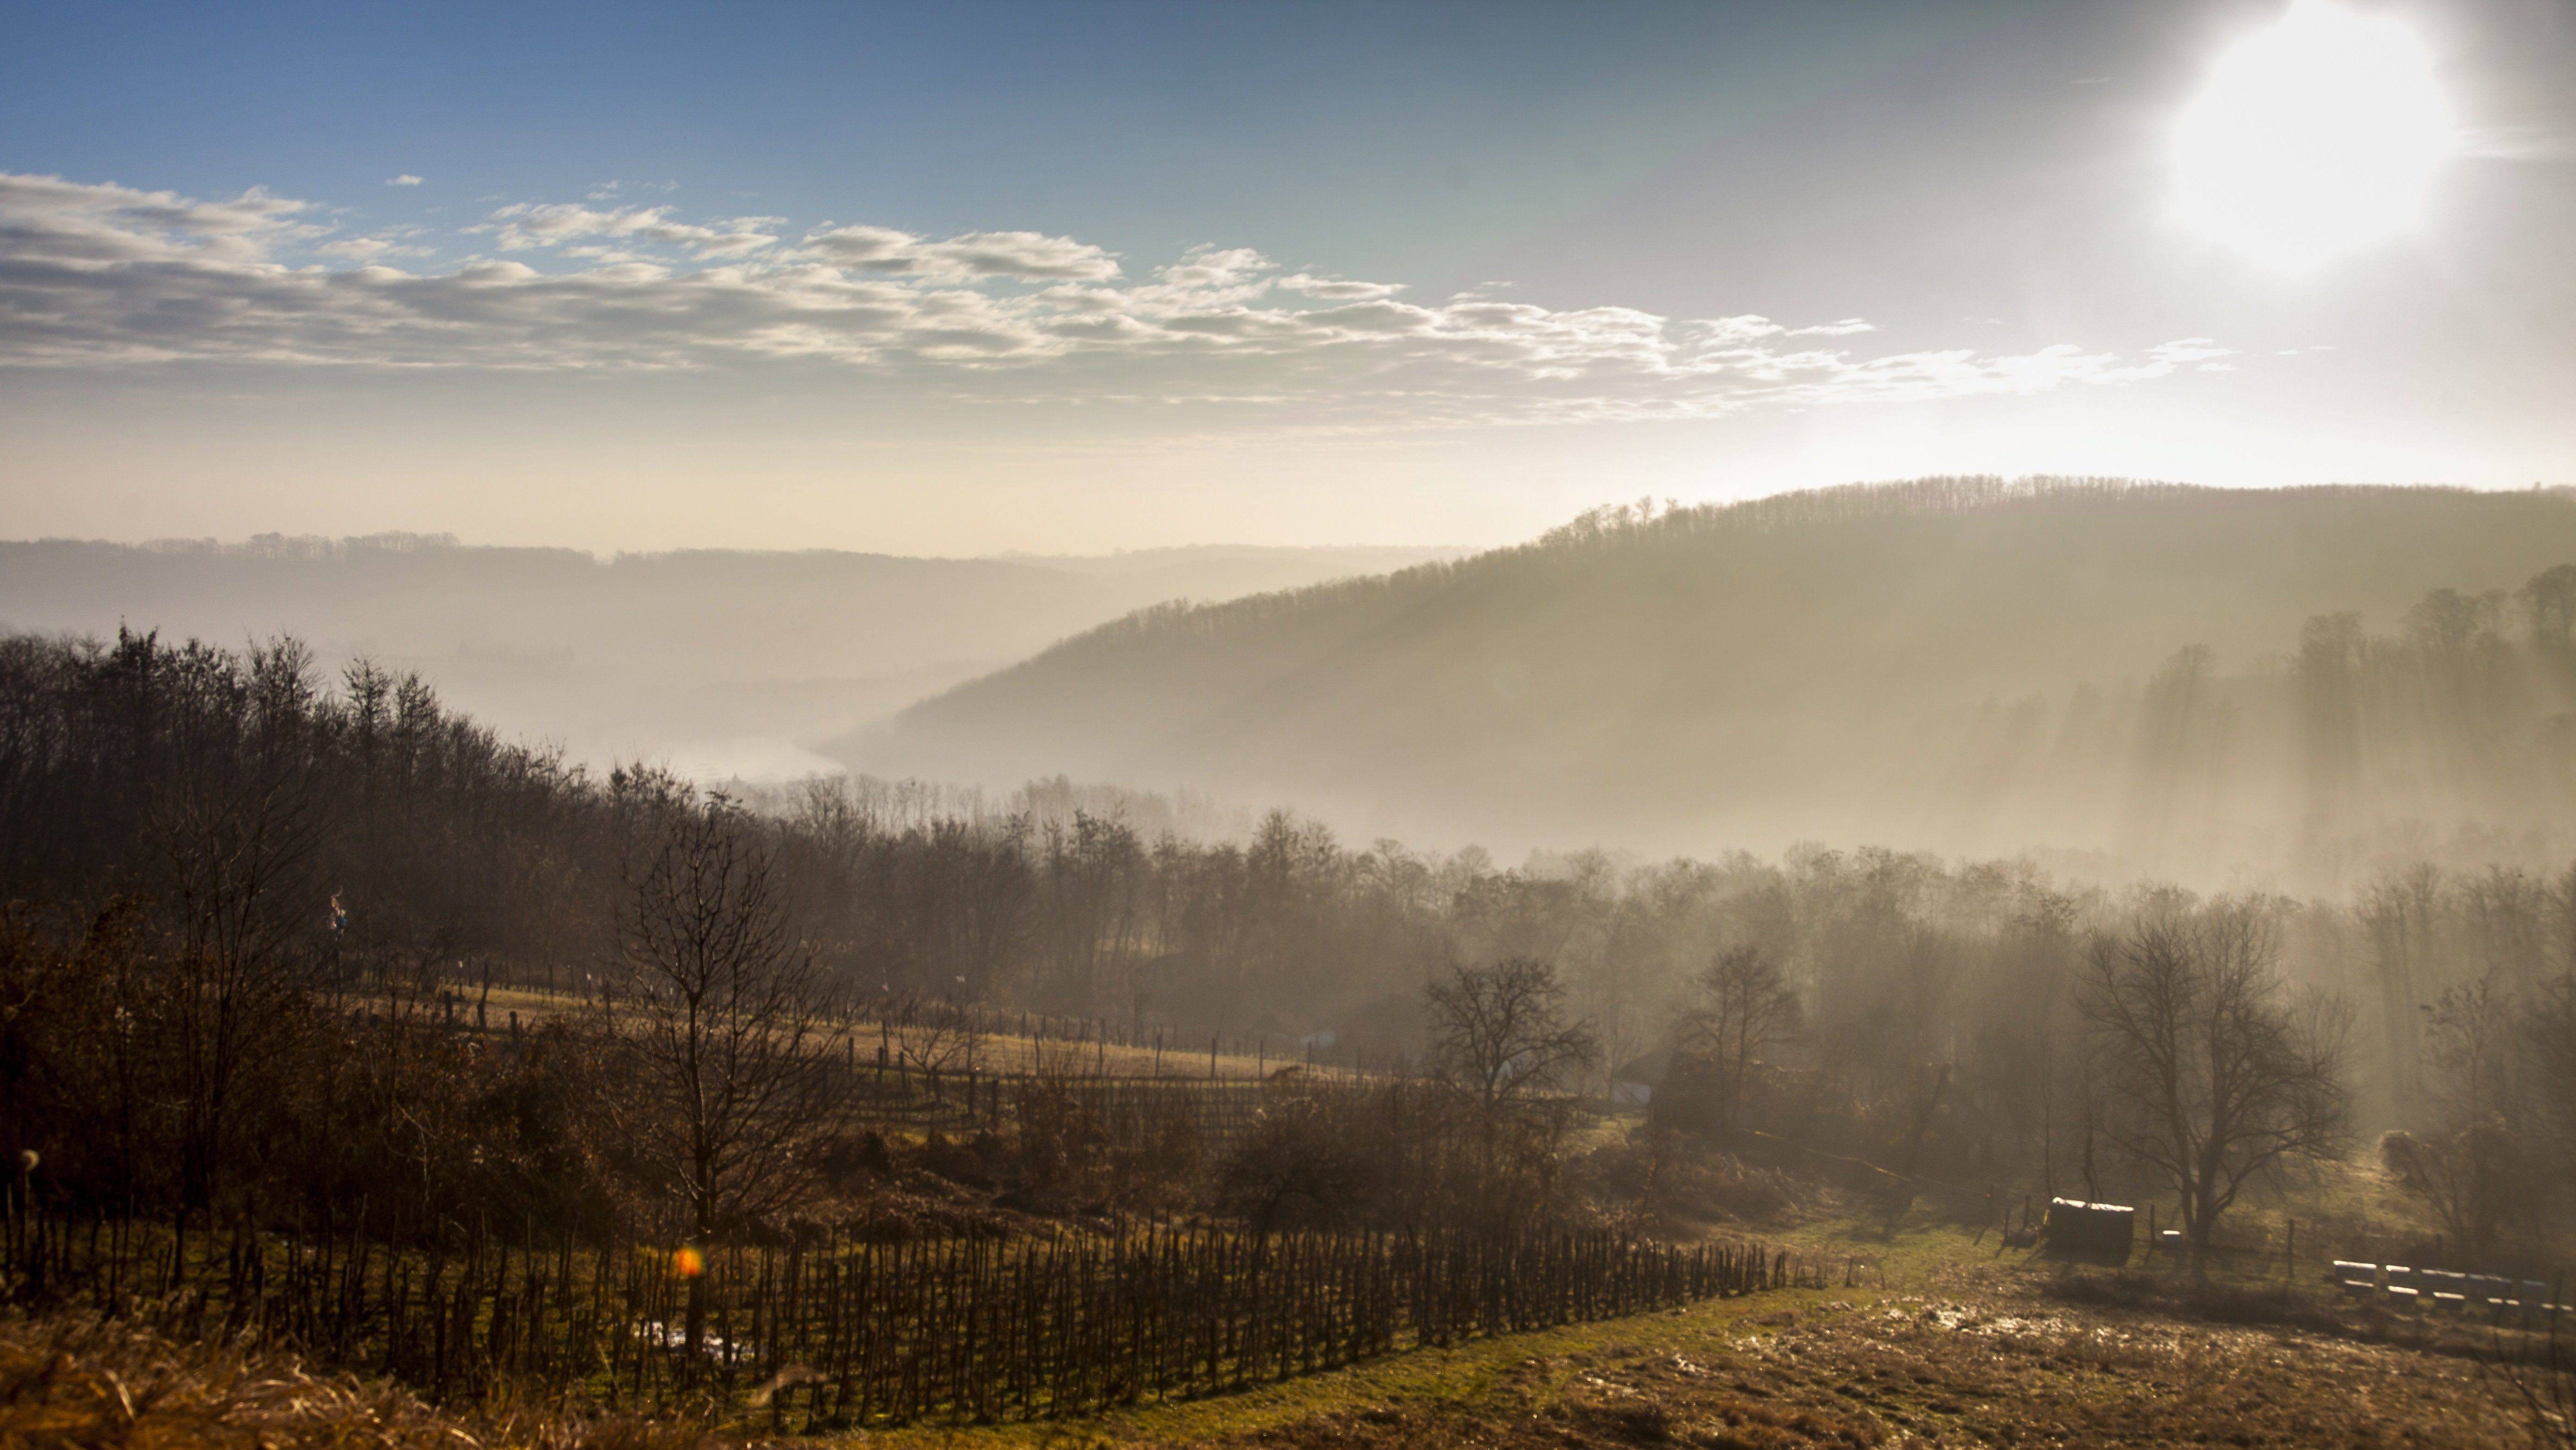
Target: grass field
x=1003 y=1050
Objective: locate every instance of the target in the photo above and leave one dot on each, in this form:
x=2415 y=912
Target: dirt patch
x=2007 y=1363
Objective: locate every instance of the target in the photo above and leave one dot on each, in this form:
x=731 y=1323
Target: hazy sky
x=967 y=278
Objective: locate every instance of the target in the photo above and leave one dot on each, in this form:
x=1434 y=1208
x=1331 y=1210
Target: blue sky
x=1382 y=138
x=1129 y=123
x=1511 y=261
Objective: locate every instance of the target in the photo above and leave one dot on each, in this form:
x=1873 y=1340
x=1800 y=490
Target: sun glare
x=2315 y=136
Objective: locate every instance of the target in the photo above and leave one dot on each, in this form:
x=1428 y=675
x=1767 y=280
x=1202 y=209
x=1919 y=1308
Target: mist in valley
x=718 y=664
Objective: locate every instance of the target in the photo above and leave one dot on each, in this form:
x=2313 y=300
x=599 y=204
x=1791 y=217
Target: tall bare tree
x=724 y=1012
x=2551 y=1041
x=235 y=815
x=1743 y=1009
x=2403 y=913
x=1499 y=1035
x=2215 y=1074
x=2475 y=1163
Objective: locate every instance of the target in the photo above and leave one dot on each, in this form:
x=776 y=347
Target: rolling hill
x=2082 y=665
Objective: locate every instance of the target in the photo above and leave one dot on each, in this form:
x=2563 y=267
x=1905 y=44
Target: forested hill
x=1966 y=664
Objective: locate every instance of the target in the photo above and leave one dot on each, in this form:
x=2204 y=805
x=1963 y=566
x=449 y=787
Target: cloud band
x=101 y=275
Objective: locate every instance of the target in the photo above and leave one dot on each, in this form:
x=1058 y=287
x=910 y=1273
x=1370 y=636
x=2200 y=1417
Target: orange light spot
x=687 y=1262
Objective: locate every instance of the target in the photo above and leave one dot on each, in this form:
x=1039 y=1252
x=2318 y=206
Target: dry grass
x=90 y=1384
x=997 y=1053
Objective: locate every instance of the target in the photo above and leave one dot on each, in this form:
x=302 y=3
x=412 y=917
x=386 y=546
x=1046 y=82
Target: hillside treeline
x=2183 y=682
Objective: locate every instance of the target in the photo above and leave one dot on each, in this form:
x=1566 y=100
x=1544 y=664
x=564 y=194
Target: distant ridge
x=717 y=658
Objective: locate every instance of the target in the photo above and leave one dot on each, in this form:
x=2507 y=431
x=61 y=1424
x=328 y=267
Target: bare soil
x=2002 y=1360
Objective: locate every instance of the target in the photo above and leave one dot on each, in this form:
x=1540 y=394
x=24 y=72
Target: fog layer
x=718 y=663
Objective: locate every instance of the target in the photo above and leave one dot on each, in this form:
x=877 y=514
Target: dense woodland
x=210 y=856
x=235 y=1082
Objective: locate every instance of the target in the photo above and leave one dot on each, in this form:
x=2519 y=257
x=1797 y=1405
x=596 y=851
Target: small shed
x=1633 y=1083
x=2092 y=1228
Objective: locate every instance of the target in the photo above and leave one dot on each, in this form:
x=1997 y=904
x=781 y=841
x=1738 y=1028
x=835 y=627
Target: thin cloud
x=1032 y=256
x=96 y=275
x=392 y=242
x=1338 y=289
x=526 y=225
x=406 y=179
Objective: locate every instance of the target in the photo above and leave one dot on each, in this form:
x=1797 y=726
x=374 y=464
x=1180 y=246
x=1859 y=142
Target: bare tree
x=2474 y=1164
x=1301 y=1158
x=725 y=1014
x=1744 y=1008
x=2467 y=1175
x=2402 y=913
x=2214 y=1074
x=1499 y=1035
x=937 y=1037
x=235 y=818
x=2551 y=1042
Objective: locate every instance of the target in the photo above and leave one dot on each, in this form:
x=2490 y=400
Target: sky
x=975 y=278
